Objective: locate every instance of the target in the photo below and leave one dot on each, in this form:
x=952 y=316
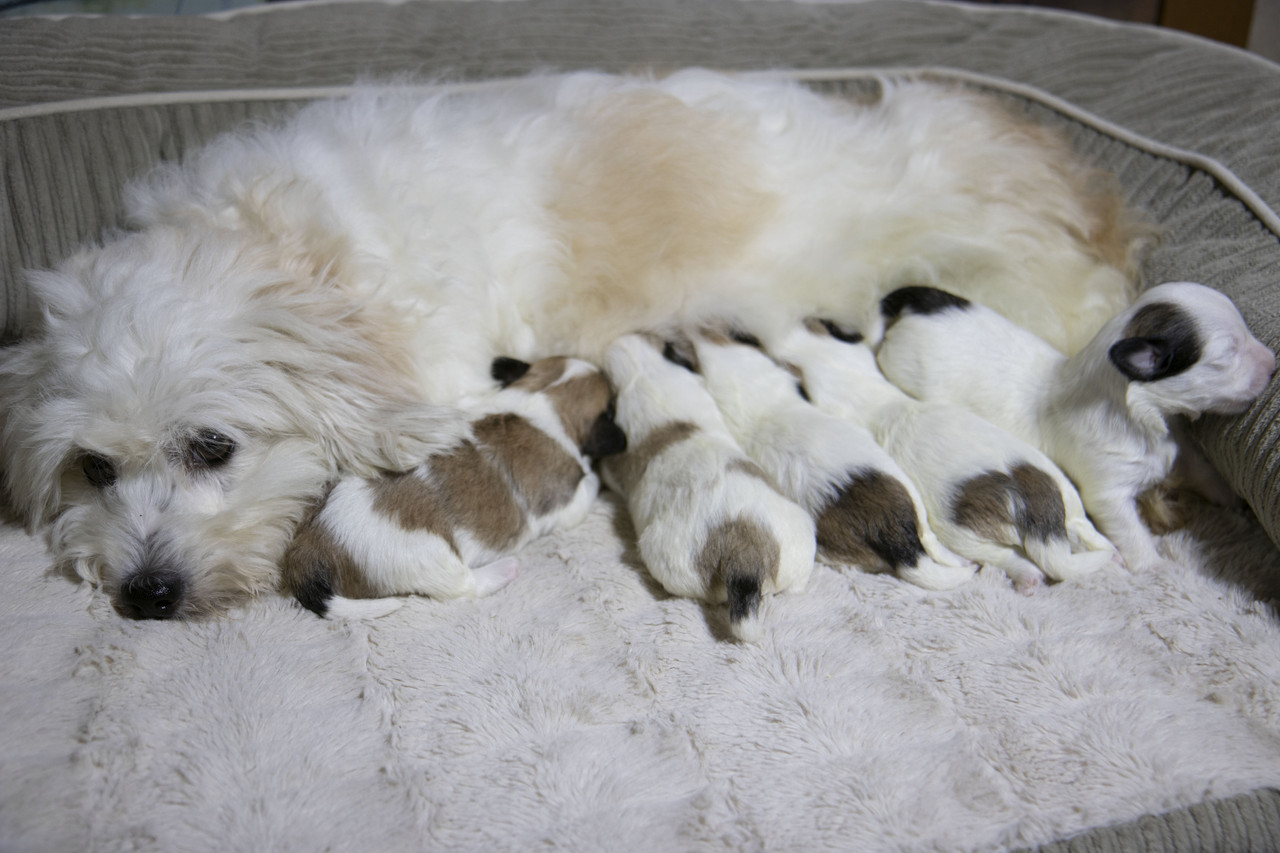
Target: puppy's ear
x=506 y=370
x=1143 y=359
x=680 y=351
x=841 y=333
x=605 y=439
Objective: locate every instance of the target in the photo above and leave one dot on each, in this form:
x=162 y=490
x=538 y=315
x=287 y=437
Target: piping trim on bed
x=1220 y=172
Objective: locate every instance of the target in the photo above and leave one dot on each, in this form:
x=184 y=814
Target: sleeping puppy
x=1104 y=413
x=991 y=497
x=448 y=527
x=867 y=511
x=709 y=523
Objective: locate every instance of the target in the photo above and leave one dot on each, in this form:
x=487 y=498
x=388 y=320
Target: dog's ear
x=1143 y=359
x=679 y=350
x=841 y=333
x=605 y=439
x=506 y=370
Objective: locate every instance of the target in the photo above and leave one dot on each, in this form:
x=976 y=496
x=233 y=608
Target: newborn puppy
x=1102 y=414
x=867 y=511
x=709 y=524
x=991 y=497
x=447 y=529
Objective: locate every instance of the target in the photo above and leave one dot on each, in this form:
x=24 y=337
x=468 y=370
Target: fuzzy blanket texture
x=581 y=708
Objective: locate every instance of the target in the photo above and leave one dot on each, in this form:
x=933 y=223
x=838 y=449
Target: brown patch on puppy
x=871 y=523
x=628 y=468
x=741 y=554
x=464 y=489
x=1026 y=499
x=542 y=374
x=542 y=472
x=579 y=402
x=315 y=567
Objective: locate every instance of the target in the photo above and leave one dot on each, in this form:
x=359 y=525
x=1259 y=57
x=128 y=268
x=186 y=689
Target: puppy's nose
x=152 y=595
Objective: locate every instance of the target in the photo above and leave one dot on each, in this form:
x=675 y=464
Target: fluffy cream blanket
x=583 y=709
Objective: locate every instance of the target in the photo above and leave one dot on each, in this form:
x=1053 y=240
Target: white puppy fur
x=991 y=496
x=1103 y=414
x=866 y=509
x=302 y=302
x=449 y=528
x=709 y=523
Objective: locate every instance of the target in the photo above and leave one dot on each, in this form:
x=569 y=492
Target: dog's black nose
x=152 y=595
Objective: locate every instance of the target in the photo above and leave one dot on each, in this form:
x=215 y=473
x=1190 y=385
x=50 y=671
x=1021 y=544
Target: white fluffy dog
x=306 y=301
x=709 y=523
x=1103 y=414
x=990 y=496
x=867 y=511
x=449 y=527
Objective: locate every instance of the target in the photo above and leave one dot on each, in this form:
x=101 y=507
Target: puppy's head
x=180 y=402
x=578 y=391
x=1186 y=350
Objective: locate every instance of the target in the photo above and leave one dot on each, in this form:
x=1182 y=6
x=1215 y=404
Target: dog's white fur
x=320 y=292
x=945 y=448
x=1110 y=432
x=451 y=527
x=833 y=467
x=709 y=523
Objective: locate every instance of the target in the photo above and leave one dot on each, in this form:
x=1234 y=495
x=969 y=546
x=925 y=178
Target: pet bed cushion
x=381 y=736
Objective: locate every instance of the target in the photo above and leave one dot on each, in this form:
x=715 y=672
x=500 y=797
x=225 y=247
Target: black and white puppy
x=867 y=511
x=709 y=523
x=1103 y=414
x=990 y=496
x=448 y=528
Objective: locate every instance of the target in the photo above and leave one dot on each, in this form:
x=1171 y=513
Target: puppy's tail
x=930 y=574
x=741 y=554
x=1056 y=559
x=744 y=605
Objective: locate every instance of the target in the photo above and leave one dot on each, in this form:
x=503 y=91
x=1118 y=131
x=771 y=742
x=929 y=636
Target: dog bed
x=582 y=708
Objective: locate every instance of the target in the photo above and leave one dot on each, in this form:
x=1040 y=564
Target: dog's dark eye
x=210 y=449
x=98 y=470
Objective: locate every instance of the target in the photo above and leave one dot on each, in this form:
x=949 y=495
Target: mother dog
x=308 y=300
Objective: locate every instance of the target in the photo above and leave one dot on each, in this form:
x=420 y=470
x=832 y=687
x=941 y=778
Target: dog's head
x=178 y=404
x=1185 y=349
x=580 y=394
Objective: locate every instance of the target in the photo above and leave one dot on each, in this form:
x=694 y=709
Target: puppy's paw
x=1028 y=584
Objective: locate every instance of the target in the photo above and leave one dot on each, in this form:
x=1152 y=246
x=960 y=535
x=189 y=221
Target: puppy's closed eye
x=209 y=449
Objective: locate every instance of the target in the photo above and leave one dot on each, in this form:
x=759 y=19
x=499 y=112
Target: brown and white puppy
x=1103 y=414
x=448 y=528
x=991 y=497
x=867 y=511
x=709 y=523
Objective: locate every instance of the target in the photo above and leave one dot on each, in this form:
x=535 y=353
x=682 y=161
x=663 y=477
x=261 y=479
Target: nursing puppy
x=866 y=510
x=709 y=524
x=991 y=497
x=1103 y=414
x=447 y=528
x=318 y=298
